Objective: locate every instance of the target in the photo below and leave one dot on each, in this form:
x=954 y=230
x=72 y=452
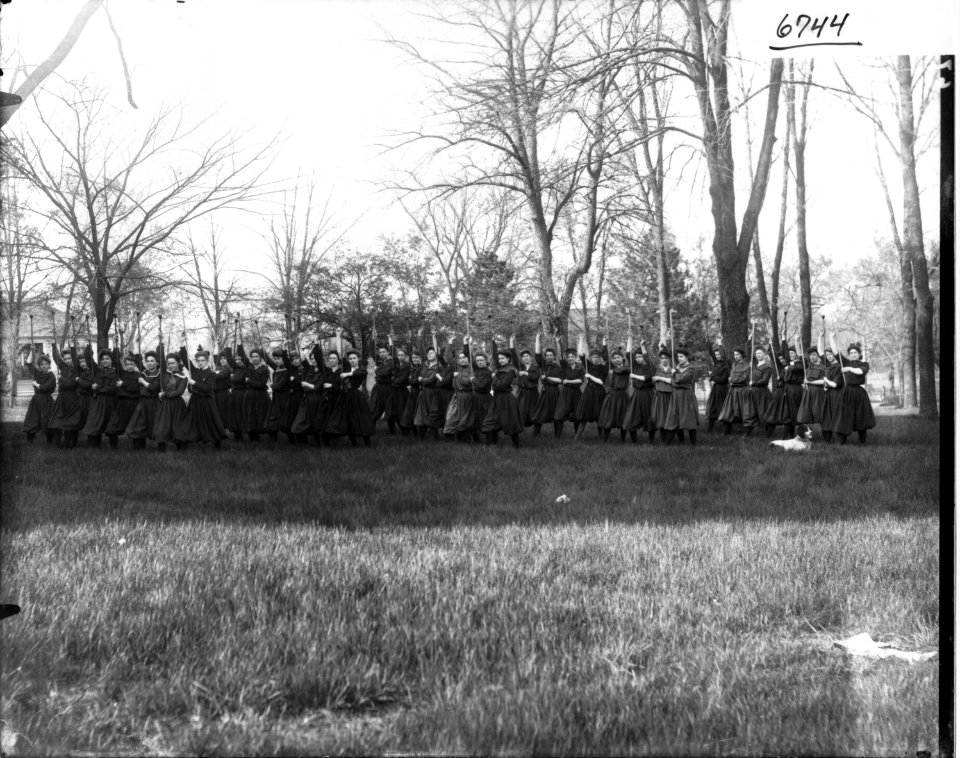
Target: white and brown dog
x=799 y=444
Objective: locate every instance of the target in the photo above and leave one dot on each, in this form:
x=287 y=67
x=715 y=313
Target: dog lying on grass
x=799 y=444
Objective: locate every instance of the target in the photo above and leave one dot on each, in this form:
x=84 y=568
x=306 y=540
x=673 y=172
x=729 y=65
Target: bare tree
x=207 y=279
x=501 y=109
x=906 y=85
x=41 y=72
x=298 y=245
x=797 y=132
x=707 y=66
x=114 y=216
x=457 y=228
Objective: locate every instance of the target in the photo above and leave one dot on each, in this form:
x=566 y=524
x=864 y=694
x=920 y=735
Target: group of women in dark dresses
x=818 y=386
x=464 y=394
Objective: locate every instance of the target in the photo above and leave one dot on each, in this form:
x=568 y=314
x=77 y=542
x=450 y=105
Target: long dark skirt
x=682 y=413
x=396 y=402
x=235 y=411
x=811 y=407
x=527 y=401
x=718 y=393
x=546 y=407
x=307 y=414
x=831 y=410
x=410 y=406
x=429 y=410
x=503 y=415
x=763 y=403
x=144 y=415
x=463 y=403
x=206 y=419
x=856 y=413
x=222 y=398
x=591 y=401
x=98 y=417
x=477 y=413
x=794 y=397
x=66 y=401
x=739 y=407
x=75 y=418
x=660 y=409
x=122 y=413
x=567 y=402
x=39 y=413
x=639 y=412
x=380 y=399
x=256 y=406
x=446 y=395
x=613 y=410
x=780 y=408
x=173 y=422
x=278 y=414
x=293 y=407
x=350 y=415
x=453 y=413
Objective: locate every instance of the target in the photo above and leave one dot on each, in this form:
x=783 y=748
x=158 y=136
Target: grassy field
x=434 y=598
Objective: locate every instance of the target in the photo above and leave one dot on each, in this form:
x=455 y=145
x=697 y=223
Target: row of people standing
x=817 y=387
x=589 y=386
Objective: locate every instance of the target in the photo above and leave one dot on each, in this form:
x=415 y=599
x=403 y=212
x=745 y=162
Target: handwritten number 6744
x=803 y=22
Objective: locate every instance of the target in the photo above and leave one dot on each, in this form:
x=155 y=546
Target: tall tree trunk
x=708 y=70
x=781 y=228
x=799 y=149
x=913 y=244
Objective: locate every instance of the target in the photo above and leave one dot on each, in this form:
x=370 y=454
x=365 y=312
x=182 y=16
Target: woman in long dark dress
x=408 y=417
x=504 y=413
x=238 y=391
x=551 y=374
x=793 y=379
x=738 y=406
x=221 y=386
x=719 y=384
x=203 y=413
x=150 y=382
x=856 y=412
x=833 y=384
x=400 y=392
x=351 y=415
x=682 y=413
x=462 y=401
x=814 y=396
x=382 y=383
x=779 y=413
x=278 y=413
x=306 y=421
x=172 y=422
x=569 y=397
x=128 y=395
x=67 y=400
x=296 y=368
x=429 y=414
x=638 y=415
x=663 y=394
x=614 y=407
x=104 y=389
x=479 y=400
x=40 y=410
x=77 y=419
x=256 y=401
x=528 y=383
x=594 y=392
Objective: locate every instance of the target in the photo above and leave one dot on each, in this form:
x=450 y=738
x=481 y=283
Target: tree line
x=551 y=154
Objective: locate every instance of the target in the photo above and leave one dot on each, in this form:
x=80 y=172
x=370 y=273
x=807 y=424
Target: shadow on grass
x=401 y=482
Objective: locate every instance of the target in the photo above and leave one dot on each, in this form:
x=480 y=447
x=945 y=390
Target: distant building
x=43 y=336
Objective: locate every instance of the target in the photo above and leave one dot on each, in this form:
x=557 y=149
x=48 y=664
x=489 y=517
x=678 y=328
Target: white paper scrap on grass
x=562 y=499
x=864 y=644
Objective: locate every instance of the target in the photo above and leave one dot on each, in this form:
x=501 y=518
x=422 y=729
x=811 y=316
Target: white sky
x=317 y=73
